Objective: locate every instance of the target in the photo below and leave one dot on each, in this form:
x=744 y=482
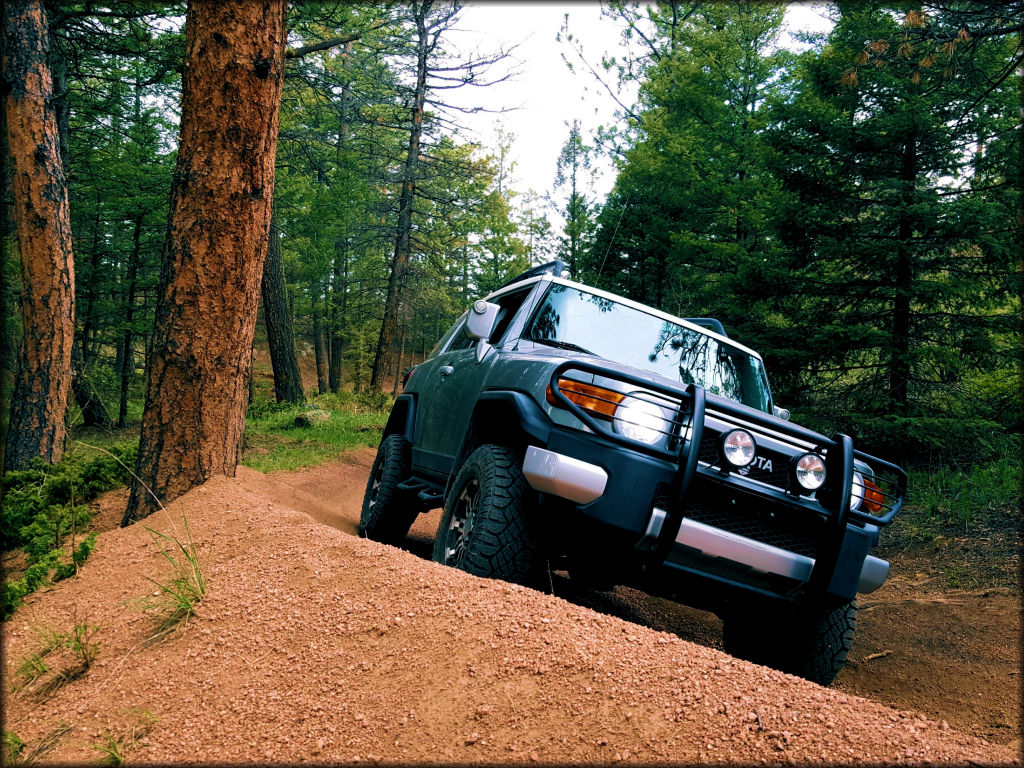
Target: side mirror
x=782 y=413
x=481 y=320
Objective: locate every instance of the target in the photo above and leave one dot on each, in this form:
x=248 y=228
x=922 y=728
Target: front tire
x=387 y=516
x=811 y=643
x=484 y=530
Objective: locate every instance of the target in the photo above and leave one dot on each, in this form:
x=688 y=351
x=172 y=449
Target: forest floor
x=314 y=645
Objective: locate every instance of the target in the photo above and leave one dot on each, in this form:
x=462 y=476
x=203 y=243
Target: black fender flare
x=402 y=419
x=505 y=417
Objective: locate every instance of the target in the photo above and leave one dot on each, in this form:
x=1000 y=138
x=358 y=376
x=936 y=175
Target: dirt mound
x=313 y=645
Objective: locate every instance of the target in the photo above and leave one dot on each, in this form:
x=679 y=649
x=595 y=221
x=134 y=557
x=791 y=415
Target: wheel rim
x=461 y=526
x=375 y=487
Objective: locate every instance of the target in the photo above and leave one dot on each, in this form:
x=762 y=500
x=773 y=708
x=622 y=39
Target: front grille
x=799 y=536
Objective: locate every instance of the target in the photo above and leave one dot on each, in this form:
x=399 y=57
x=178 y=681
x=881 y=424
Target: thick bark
x=278 y=318
x=6 y=345
x=400 y=260
x=6 y=342
x=219 y=222
x=40 y=398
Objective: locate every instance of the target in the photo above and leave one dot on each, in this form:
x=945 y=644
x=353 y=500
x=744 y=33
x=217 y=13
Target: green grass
x=78 y=646
x=110 y=749
x=115 y=746
x=961 y=526
x=45 y=508
x=274 y=443
x=33 y=666
x=956 y=497
x=178 y=596
x=13 y=747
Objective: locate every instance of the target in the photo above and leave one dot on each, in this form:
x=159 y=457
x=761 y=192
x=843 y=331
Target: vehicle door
x=459 y=379
x=435 y=386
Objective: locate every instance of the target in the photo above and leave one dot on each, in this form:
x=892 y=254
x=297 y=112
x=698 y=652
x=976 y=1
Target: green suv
x=563 y=427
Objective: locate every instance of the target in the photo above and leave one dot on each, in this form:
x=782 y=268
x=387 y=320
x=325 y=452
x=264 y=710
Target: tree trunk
x=401 y=354
x=42 y=219
x=899 y=356
x=94 y=413
x=87 y=314
x=319 y=346
x=339 y=284
x=7 y=350
x=400 y=261
x=219 y=222
x=337 y=319
x=127 y=369
x=357 y=374
x=280 y=338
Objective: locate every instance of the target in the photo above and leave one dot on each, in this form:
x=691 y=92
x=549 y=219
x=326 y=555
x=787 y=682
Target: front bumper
x=688 y=520
x=583 y=483
x=564 y=476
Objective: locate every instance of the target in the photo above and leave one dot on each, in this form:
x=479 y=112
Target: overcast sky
x=548 y=94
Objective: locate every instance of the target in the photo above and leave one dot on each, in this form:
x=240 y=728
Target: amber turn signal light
x=599 y=401
x=874 y=499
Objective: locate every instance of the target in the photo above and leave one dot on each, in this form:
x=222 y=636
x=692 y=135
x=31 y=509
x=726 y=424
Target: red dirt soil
x=312 y=645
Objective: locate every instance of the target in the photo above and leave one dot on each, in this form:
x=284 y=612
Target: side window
x=510 y=304
x=460 y=340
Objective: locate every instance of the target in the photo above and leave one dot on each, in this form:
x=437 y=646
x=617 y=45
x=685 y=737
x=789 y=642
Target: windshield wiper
x=563 y=345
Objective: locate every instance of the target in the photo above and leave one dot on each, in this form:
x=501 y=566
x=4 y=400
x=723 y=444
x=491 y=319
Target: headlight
x=737 y=448
x=642 y=420
x=857 y=491
x=809 y=471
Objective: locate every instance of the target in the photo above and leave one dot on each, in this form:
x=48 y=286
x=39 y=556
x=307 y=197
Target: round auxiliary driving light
x=737 y=448
x=809 y=471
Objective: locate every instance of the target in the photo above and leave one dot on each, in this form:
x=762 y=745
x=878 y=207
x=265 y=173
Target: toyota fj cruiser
x=565 y=427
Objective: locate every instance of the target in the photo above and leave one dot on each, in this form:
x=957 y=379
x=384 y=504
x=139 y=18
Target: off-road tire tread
x=392 y=515
x=815 y=645
x=501 y=545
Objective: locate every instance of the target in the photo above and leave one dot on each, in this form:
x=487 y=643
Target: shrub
x=44 y=505
x=262 y=407
x=76 y=479
x=959 y=496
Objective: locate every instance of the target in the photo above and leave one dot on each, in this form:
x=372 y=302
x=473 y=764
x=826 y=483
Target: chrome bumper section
x=564 y=476
x=764 y=558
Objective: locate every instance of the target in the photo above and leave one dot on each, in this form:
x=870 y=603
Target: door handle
x=444 y=370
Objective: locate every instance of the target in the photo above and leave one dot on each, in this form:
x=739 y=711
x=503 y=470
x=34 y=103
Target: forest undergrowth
x=46 y=531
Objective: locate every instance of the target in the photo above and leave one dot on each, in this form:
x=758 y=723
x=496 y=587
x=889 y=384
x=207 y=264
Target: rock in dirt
x=312 y=417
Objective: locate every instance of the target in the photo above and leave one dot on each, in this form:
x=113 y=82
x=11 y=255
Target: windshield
x=569 y=318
